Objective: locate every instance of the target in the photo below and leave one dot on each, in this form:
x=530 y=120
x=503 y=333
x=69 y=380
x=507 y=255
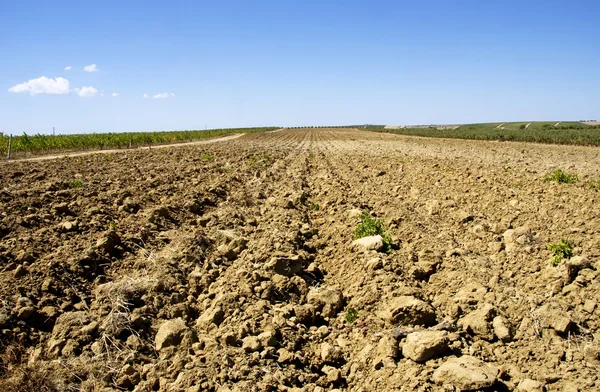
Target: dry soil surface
x=231 y=267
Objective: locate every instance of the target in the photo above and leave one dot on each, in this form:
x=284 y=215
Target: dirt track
x=229 y=266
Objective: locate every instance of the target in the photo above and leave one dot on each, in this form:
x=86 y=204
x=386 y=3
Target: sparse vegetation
x=575 y=133
x=314 y=206
x=560 y=177
x=351 y=315
x=593 y=184
x=562 y=250
x=78 y=183
x=369 y=226
x=207 y=157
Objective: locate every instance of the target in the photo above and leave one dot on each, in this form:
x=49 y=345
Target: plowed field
x=231 y=267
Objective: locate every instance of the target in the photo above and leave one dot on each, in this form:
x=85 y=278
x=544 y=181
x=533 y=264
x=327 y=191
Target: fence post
x=130 y=141
x=9 y=146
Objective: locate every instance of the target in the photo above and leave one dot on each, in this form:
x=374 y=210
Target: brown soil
x=229 y=267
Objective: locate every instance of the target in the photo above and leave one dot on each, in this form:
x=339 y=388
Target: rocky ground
x=232 y=267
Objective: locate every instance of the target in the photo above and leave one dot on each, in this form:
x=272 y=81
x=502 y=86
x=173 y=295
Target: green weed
x=369 y=226
x=351 y=315
x=560 y=177
x=593 y=184
x=207 y=157
x=314 y=206
x=562 y=250
x=76 y=184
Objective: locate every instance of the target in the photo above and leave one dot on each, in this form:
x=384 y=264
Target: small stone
x=284 y=356
x=329 y=301
x=287 y=266
x=502 y=329
x=305 y=314
x=374 y=264
x=561 y=324
x=20 y=271
x=62 y=208
x=229 y=339
x=329 y=353
x=529 y=385
x=68 y=226
x=354 y=213
x=170 y=333
x=267 y=339
x=322 y=331
x=466 y=373
x=477 y=322
x=213 y=315
x=251 y=344
x=408 y=310
x=25 y=312
x=333 y=374
x=589 y=306
x=373 y=242
x=424 y=345
x=433 y=207
x=387 y=349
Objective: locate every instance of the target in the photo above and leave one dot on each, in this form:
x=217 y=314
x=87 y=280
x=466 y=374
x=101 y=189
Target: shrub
x=560 y=177
x=369 y=226
x=562 y=250
x=76 y=184
x=351 y=315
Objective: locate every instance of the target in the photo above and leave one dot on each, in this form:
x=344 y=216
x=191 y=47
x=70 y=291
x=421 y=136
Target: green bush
x=560 y=177
x=562 y=250
x=351 y=315
x=369 y=226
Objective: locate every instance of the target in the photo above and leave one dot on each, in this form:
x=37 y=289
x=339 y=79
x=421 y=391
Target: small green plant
x=351 y=315
x=224 y=169
x=314 y=206
x=109 y=157
x=560 y=177
x=311 y=155
x=112 y=226
x=207 y=157
x=369 y=226
x=76 y=184
x=562 y=250
x=593 y=184
x=252 y=163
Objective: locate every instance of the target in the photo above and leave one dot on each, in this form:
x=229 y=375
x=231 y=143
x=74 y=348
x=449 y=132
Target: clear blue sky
x=251 y=63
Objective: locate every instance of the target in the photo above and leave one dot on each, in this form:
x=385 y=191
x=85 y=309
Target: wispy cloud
x=91 y=68
x=43 y=86
x=115 y=94
x=86 y=92
x=68 y=68
x=145 y=96
x=163 y=95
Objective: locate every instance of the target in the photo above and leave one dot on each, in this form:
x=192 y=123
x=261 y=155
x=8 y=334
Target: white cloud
x=115 y=94
x=68 y=68
x=163 y=95
x=145 y=96
x=86 y=91
x=102 y=94
x=91 y=68
x=43 y=85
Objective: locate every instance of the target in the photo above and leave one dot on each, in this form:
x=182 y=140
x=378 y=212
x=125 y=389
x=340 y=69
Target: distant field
x=575 y=133
x=44 y=144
